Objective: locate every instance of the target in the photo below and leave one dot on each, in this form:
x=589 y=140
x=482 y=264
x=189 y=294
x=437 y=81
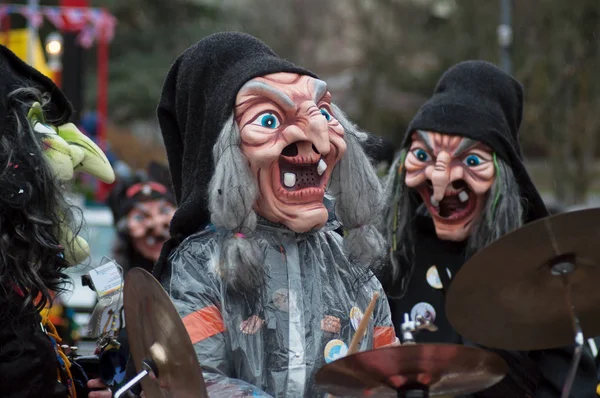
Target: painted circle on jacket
x=433 y=277
x=334 y=350
x=356 y=316
x=423 y=309
x=281 y=299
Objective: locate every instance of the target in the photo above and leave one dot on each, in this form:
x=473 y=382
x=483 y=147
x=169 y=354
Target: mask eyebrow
x=465 y=145
x=320 y=88
x=260 y=88
x=141 y=208
x=424 y=137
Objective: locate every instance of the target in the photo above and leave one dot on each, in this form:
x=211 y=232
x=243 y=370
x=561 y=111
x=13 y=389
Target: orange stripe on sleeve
x=383 y=336
x=204 y=323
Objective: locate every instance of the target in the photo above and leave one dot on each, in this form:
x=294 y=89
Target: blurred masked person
x=142 y=208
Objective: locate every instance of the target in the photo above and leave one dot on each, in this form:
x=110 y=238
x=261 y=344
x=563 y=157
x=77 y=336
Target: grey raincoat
x=313 y=302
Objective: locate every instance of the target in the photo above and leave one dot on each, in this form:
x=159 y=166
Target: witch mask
x=453 y=176
x=67 y=151
x=148 y=220
x=293 y=142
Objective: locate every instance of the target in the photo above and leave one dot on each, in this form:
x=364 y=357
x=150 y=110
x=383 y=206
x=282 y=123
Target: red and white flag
x=34 y=17
x=55 y=16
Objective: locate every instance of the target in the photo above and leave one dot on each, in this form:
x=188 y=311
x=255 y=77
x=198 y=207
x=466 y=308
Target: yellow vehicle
x=16 y=40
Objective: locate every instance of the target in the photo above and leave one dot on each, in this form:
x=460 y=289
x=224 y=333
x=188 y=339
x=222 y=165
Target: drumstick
x=361 y=329
x=362 y=326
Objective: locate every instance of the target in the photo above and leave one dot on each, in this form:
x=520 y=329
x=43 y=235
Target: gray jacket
x=303 y=322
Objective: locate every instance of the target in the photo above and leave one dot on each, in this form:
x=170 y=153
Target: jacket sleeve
x=384 y=333
x=195 y=289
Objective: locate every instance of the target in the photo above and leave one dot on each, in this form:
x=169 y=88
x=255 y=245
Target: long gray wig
x=233 y=191
x=503 y=212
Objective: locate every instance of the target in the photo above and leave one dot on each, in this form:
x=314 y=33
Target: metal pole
x=505 y=35
x=31 y=29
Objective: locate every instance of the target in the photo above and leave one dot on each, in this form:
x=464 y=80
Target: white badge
x=356 y=316
x=107 y=279
x=433 y=277
x=425 y=310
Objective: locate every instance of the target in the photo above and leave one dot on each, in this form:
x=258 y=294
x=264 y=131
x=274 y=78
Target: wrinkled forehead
x=449 y=143
x=288 y=88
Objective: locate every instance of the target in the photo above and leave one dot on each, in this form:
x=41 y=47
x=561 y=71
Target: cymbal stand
x=563 y=266
x=409 y=329
x=148 y=369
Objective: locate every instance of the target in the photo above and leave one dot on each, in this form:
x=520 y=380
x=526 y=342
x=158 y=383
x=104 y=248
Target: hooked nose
x=317 y=132
x=309 y=136
x=440 y=176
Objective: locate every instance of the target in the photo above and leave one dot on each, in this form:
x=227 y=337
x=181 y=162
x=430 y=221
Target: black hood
x=476 y=99
x=15 y=73
x=197 y=98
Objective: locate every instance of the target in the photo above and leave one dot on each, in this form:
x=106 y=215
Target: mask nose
x=440 y=177
x=317 y=132
x=292 y=149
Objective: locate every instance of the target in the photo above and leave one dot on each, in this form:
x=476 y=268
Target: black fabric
x=28 y=363
x=429 y=251
x=554 y=366
x=160 y=173
x=15 y=73
x=197 y=98
x=476 y=99
x=539 y=374
x=449 y=257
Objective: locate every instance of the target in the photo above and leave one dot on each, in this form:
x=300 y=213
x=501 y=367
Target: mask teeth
x=434 y=202
x=321 y=167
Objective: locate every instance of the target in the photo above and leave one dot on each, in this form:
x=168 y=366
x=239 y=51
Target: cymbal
x=446 y=369
x=157 y=333
x=506 y=296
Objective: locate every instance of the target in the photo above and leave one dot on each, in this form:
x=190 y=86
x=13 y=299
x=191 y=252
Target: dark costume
x=271 y=341
x=152 y=186
x=475 y=100
x=37 y=242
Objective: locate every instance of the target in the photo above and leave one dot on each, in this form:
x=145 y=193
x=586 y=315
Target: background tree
x=382 y=58
x=150 y=35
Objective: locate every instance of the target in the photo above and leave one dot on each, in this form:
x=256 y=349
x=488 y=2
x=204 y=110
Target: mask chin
x=76 y=249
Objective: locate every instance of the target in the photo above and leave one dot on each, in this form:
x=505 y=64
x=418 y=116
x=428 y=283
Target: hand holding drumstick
x=362 y=326
x=361 y=329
